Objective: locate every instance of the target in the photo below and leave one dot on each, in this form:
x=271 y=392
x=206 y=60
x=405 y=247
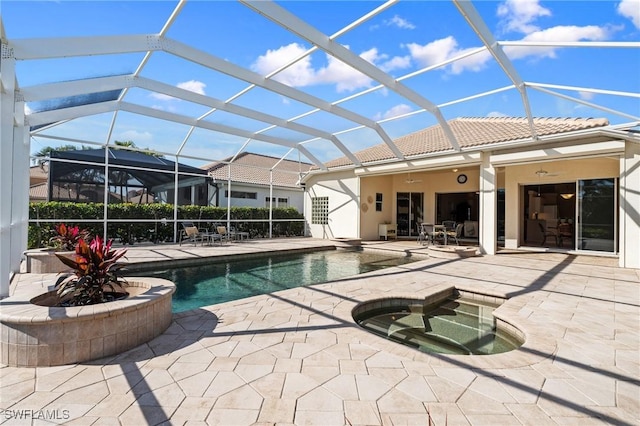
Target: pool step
x=452 y=328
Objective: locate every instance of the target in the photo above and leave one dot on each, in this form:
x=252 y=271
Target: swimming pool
x=221 y=281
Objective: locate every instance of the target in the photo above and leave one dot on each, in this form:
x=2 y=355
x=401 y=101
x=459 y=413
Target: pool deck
x=296 y=356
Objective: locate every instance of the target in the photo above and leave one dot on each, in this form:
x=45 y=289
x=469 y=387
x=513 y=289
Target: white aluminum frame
x=15 y=135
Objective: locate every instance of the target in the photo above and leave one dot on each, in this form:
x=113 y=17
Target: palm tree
x=45 y=152
x=132 y=144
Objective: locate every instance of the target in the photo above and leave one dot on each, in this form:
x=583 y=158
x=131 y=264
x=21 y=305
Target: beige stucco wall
x=353 y=193
x=369 y=217
x=342 y=188
x=558 y=172
x=431 y=183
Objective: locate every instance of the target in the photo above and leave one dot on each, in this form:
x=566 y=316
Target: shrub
x=43 y=216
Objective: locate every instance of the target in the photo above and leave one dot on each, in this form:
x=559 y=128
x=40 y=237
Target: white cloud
x=299 y=74
x=165 y=107
x=191 y=85
x=497 y=114
x=630 y=9
x=161 y=96
x=396 y=21
x=566 y=33
x=343 y=76
x=395 y=111
x=399 y=22
x=435 y=52
x=395 y=63
x=441 y=50
x=474 y=63
x=587 y=96
x=302 y=73
x=519 y=15
x=139 y=138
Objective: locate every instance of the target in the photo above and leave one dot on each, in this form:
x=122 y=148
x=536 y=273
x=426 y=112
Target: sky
x=404 y=39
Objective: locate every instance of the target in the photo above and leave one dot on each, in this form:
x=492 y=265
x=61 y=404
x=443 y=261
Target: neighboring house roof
x=471 y=132
x=38 y=174
x=254 y=169
x=140 y=197
x=40 y=192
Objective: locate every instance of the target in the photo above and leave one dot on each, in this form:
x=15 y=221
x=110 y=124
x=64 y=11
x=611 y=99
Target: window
x=320 y=210
x=378 y=202
x=278 y=202
x=242 y=194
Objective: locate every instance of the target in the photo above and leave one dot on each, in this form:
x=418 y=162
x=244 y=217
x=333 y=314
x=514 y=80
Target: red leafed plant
x=96 y=275
x=67 y=237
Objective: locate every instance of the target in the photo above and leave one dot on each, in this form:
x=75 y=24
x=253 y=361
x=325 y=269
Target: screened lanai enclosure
x=131 y=177
x=196 y=82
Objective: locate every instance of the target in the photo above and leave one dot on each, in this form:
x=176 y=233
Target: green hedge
x=155 y=230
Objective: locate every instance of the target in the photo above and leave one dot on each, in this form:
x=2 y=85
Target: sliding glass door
x=596 y=213
x=409 y=212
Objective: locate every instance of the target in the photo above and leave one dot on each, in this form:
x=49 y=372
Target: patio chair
x=183 y=232
x=450 y=225
x=224 y=235
x=193 y=235
x=429 y=234
x=565 y=231
x=456 y=234
x=421 y=234
x=546 y=232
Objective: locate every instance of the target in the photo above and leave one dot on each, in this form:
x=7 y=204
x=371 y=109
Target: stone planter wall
x=36 y=336
x=44 y=261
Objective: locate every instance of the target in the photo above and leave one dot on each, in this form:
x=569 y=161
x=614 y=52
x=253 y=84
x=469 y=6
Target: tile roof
x=38 y=174
x=254 y=169
x=40 y=192
x=471 y=132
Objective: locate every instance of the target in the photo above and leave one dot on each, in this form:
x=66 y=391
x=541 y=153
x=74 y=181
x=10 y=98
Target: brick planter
x=35 y=336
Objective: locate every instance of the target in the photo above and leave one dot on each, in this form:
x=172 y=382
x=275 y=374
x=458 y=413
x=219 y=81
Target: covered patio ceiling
x=203 y=81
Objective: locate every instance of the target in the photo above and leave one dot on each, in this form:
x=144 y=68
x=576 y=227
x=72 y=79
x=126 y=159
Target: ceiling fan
x=542 y=173
x=410 y=181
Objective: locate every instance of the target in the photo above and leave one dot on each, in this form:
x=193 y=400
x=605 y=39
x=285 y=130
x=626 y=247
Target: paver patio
x=296 y=356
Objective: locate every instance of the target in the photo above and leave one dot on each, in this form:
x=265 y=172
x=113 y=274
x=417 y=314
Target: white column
x=629 y=208
x=488 y=206
x=7 y=108
x=20 y=186
x=271 y=203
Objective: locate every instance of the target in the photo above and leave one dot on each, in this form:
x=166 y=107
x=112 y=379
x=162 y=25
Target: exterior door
x=409 y=212
x=596 y=212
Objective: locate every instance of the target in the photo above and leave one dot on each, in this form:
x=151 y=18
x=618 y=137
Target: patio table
x=442 y=229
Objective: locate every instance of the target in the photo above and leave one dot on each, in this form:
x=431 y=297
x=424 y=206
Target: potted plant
x=95 y=279
x=71 y=321
x=64 y=241
x=67 y=237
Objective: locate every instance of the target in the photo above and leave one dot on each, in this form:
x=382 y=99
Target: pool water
x=452 y=327
x=222 y=281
